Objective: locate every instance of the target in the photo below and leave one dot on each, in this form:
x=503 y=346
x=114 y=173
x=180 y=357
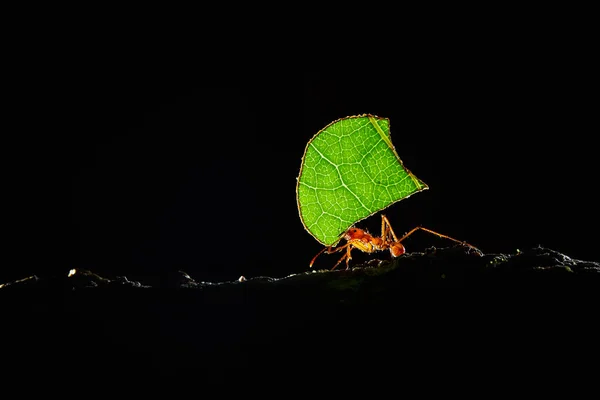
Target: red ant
x=363 y=241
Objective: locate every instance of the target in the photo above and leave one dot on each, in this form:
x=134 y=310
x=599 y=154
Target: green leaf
x=350 y=170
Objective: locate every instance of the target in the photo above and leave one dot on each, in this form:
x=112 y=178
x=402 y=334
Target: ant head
x=354 y=233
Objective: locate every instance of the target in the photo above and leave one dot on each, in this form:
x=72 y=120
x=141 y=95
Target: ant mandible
x=360 y=239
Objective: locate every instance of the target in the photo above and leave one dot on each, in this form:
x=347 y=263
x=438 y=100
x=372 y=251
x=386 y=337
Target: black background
x=153 y=165
x=132 y=158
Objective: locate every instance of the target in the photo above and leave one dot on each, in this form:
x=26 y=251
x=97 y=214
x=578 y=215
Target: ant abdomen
x=397 y=249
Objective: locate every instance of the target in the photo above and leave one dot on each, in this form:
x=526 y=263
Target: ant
x=363 y=241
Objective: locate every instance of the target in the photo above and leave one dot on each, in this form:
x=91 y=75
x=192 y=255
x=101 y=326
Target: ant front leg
x=347 y=256
x=330 y=250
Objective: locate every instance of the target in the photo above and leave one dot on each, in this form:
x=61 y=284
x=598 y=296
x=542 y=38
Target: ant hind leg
x=437 y=234
x=386 y=230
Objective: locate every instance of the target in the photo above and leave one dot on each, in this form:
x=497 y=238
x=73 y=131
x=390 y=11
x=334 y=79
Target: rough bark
x=374 y=324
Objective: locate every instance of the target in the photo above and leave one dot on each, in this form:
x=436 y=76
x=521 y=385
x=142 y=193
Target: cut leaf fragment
x=350 y=170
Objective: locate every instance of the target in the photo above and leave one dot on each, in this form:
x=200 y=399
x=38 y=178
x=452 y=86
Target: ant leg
x=435 y=233
x=317 y=255
x=328 y=250
x=346 y=256
x=386 y=229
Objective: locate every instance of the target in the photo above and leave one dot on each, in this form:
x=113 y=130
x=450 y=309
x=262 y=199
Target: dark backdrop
x=169 y=168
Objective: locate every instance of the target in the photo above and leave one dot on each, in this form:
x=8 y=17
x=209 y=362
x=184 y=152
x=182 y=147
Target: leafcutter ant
x=360 y=239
